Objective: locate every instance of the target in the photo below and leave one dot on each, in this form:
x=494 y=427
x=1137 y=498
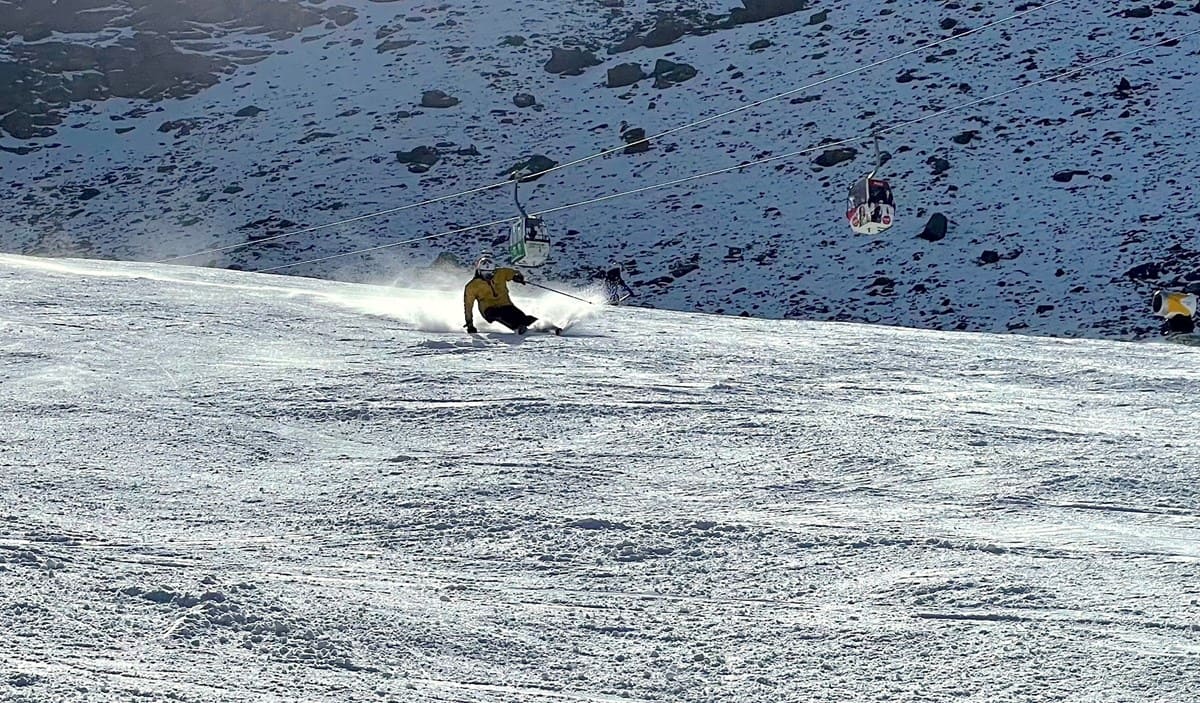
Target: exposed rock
x=531 y=167
x=248 y=111
x=760 y=44
x=267 y=227
x=759 y=10
x=423 y=155
x=88 y=193
x=394 y=45
x=990 y=256
x=668 y=73
x=20 y=150
x=182 y=128
x=820 y=18
x=935 y=228
x=624 y=75
x=513 y=40
x=314 y=136
x=1147 y=271
x=629 y=43
x=680 y=269
x=524 y=100
x=1140 y=13
x=939 y=165
x=570 y=62
x=436 y=98
x=833 y=157
x=667 y=30
x=20 y=125
x=965 y=137
x=948 y=23
x=144 y=63
x=636 y=139
x=1066 y=176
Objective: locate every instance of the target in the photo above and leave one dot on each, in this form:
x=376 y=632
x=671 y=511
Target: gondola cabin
x=871 y=208
x=528 y=244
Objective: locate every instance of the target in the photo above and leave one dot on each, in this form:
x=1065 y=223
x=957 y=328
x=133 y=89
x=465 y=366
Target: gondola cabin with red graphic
x=871 y=208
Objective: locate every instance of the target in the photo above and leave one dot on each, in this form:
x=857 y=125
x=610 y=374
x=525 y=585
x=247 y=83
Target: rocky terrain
x=148 y=129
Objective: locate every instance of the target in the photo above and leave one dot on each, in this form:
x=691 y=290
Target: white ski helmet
x=485 y=265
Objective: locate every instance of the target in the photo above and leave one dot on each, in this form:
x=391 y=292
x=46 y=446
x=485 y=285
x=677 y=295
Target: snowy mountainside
x=311 y=127
x=222 y=486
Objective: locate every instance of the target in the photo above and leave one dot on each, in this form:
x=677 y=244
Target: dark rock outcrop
x=667 y=30
x=667 y=73
x=423 y=155
x=965 y=137
x=760 y=10
x=833 y=157
x=935 y=228
x=636 y=139
x=531 y=168
x=1066 y=176
x=437 y=99
x=625 y=74
x=570 y=62
x=938 y=164
x=1142 y=272
x=39 y=81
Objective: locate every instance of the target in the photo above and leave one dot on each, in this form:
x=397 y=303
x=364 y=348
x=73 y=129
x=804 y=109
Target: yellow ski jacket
x=489 y=293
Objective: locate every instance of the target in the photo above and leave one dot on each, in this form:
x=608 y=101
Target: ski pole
x=538 y=285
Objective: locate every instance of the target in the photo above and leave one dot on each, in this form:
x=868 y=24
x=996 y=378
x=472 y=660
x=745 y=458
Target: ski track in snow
x=222 y=486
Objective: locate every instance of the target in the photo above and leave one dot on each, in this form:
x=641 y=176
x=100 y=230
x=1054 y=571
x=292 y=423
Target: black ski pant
x=508 y=315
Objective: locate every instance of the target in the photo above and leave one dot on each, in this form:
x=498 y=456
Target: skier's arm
x=469 y=306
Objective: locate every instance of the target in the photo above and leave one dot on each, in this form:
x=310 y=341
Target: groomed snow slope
x=222 y=486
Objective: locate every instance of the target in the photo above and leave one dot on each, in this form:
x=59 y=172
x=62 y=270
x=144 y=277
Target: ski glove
x=470 y=328
x=519 y=277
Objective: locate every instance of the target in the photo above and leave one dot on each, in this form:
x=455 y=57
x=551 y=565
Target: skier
x=615 y=289
x=489 y=288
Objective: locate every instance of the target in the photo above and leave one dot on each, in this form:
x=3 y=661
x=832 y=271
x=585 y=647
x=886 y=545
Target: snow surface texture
x=339 y=102
x=221 y=486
